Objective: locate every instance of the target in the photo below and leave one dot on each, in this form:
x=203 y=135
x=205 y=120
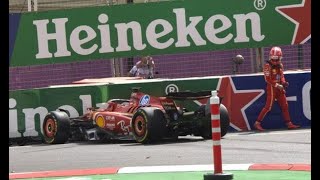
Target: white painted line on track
x=16 y=147
x=78 y=178
x=181 y=168
x=250 y=133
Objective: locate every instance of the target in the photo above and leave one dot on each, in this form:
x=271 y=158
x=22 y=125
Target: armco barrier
x=243 y=96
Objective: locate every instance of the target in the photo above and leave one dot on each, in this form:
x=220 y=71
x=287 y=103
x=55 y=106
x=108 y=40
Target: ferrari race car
x=143 y=117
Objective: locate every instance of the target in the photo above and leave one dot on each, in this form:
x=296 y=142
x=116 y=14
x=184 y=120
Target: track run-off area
x=270 y=147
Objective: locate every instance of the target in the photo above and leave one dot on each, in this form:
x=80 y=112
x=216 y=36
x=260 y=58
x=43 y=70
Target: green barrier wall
x=244 y=101
x=27 y=108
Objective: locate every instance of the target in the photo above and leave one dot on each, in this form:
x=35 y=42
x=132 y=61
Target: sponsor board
x=156 y=28
x=244 y=97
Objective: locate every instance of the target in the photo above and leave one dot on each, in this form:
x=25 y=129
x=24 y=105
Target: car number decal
x=144 y=100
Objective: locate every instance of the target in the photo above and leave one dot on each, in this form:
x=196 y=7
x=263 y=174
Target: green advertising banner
x=158 y=28
x=28 y=108
x=20 y=104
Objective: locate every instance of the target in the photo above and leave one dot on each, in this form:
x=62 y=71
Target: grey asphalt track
x=281 y=146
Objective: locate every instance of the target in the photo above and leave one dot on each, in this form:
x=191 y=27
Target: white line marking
x=180 y=168
x=269 y=132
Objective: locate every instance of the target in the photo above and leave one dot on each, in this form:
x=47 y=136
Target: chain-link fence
x=167 y=66
x=21 y=6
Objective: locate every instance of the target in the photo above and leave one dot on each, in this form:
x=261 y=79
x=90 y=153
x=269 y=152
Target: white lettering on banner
x=30 y=119
x=211 y=32
x=171 y=88
x=186 y=29
x=306 y=104
x=241 y=20
x=44 y=37
x=105 y=34
x=122 y=29
x=76 y=42
x=152 y=36
x=13 y=119
x=260 y=4
x=30 y=113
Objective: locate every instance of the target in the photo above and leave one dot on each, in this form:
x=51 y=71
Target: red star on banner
x=236 y=102
x=300 y=15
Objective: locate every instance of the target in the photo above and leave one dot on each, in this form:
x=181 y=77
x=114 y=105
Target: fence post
x=216 y=141
x=32 y=4
x=300 y=57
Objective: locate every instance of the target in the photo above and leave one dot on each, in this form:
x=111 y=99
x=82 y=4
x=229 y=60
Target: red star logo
x=236 y=102
x=300 y=15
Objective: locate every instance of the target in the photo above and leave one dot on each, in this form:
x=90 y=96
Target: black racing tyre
x=148 y=125
x=56 y=127
x=22 y=141
x=224 y=121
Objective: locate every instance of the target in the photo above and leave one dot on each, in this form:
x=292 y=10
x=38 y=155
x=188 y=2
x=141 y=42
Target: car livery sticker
x=123 y=127
x=100 y=121
x=144 y=100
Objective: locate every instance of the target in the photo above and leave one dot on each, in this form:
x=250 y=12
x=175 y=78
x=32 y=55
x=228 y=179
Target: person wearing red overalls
x=276 y=84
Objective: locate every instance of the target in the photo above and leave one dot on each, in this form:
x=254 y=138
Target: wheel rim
x=50 y=128
x=140 y=126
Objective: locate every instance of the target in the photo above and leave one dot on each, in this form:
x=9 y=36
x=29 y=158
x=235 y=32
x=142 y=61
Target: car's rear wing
x=188 y=95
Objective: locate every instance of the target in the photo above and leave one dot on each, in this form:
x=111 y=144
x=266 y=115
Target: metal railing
x=22 y=6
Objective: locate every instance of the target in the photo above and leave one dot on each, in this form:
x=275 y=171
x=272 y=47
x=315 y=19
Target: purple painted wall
x=167 y=66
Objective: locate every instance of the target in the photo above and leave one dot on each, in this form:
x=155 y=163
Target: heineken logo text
x=159 y=34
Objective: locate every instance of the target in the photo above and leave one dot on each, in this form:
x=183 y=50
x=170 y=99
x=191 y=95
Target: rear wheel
x=22 y=141
x=56 y=127
x=224 y=120
x=148 y=125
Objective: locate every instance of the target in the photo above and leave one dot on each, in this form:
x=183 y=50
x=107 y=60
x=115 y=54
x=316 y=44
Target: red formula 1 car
x=143 y=117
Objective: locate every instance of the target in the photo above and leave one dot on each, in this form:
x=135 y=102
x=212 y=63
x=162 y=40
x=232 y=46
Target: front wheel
x=56 y=127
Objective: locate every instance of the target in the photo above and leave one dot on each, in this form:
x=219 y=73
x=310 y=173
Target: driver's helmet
x=109 y=106
x=275 y=55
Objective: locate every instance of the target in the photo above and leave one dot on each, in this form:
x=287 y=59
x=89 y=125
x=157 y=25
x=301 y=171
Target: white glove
x=279 y=86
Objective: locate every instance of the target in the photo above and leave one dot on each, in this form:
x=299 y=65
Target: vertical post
x=216 y=134
x=259 y=59
x=253 y=62
x=233 y=66
x=216 y=143
x=113 y=67
x=32 y=4
x=129 y=59
x=35 y=5
x=29 y=5
x=262 y=57
x=300 y=56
